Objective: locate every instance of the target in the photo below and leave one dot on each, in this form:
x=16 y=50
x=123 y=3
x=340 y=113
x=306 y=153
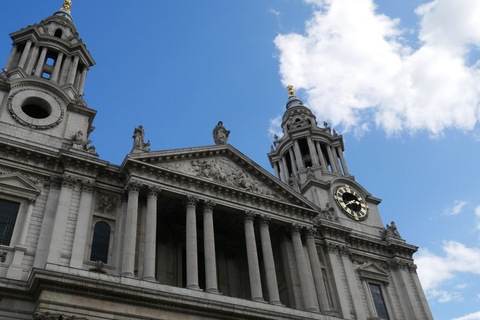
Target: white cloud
x=471 y=316
x=434 y=270
x=444 y=296
x=356 y=70
x=456 y=209
x=477 y=219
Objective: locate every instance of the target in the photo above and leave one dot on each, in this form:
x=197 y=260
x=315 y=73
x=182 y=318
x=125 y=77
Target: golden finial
x=66 y=5
x=290 y=91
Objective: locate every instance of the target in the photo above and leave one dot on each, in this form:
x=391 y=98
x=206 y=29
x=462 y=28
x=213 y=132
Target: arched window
x=100 y=242
x=58 y=33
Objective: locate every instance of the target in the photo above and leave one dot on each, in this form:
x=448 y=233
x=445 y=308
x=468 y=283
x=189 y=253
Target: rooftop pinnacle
x=290 y=91
x=66 y=5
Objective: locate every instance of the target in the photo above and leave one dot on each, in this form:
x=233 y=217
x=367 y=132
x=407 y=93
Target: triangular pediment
x=224 y=166
x=18 y=185
x=373 y=272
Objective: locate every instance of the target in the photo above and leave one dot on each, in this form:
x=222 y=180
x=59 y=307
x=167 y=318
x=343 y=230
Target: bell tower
x=41 y=86
x=310 y=159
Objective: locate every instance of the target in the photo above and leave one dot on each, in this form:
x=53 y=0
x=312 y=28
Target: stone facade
x=197 y=233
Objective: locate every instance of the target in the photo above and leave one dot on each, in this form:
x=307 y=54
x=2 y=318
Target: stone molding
x=51 y=316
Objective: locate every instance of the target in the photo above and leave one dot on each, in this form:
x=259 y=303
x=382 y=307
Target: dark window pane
x=378 y=301
x=8 y=216
x=100 y=242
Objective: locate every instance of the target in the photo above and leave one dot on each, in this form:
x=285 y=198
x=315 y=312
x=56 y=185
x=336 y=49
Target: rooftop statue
x=66 y=5
x=139 y=144
x=220 y=134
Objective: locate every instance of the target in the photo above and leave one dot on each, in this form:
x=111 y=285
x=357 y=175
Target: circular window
x=36 y=108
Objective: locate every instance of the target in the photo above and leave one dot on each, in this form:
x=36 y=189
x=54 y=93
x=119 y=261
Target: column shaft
x=41 y=62
x=73 y=70
x=64 y=70
x=285 y=174
x=56 y=68
x=342 y=160
x=32 y=60
x=25 y=53
x=333 y=162
x=293 y=163
x=252 y=257
x=277 y=172
x=191 y=239
x=308 y=300
x=313 y=152
x=298 y=155
x=209 y=248
x=130 y=237
x=269 y=263
x=323 y=163
x=150 y=235
x=82 y=80
x=13 y=53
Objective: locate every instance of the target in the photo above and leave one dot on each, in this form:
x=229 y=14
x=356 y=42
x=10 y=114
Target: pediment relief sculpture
x=223 y=171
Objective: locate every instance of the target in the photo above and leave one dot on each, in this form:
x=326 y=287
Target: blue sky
x=399 y=80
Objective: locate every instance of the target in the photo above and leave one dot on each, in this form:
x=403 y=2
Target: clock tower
x=41 y=86
x=310 y=159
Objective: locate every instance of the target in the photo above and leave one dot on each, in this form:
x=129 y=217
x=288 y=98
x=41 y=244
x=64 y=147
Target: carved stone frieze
x=3 y=256
x=68 y=181
x=223 y=171
x=37 y=180
x=50 y=316
x=106 y=203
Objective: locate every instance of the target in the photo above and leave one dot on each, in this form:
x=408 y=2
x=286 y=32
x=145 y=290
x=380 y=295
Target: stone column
x=64 y=70
x=285 y=174
x=150 y=235
x=321 y=156
x=277 y=172
x=41 y=62
x=313 y=152
x=61 y=218
x=73 y=70
x=25 y=53
x=82 y=80
x=268 y=261
x=84 y=222
x=130 y=237
x=308 y=296
x=252 y=257
x=56 y=68
x=342 y=160
x=13 y=53
x=298 y=155
x=209 y=248
x=292 y=162
x=191 y=240
x=32 y=60
x=317 y=270
x=333 y=161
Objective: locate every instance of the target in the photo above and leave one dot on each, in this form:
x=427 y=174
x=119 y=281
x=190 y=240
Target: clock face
x=351 y=202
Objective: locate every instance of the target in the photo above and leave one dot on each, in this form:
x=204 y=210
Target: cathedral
x=197 y=233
